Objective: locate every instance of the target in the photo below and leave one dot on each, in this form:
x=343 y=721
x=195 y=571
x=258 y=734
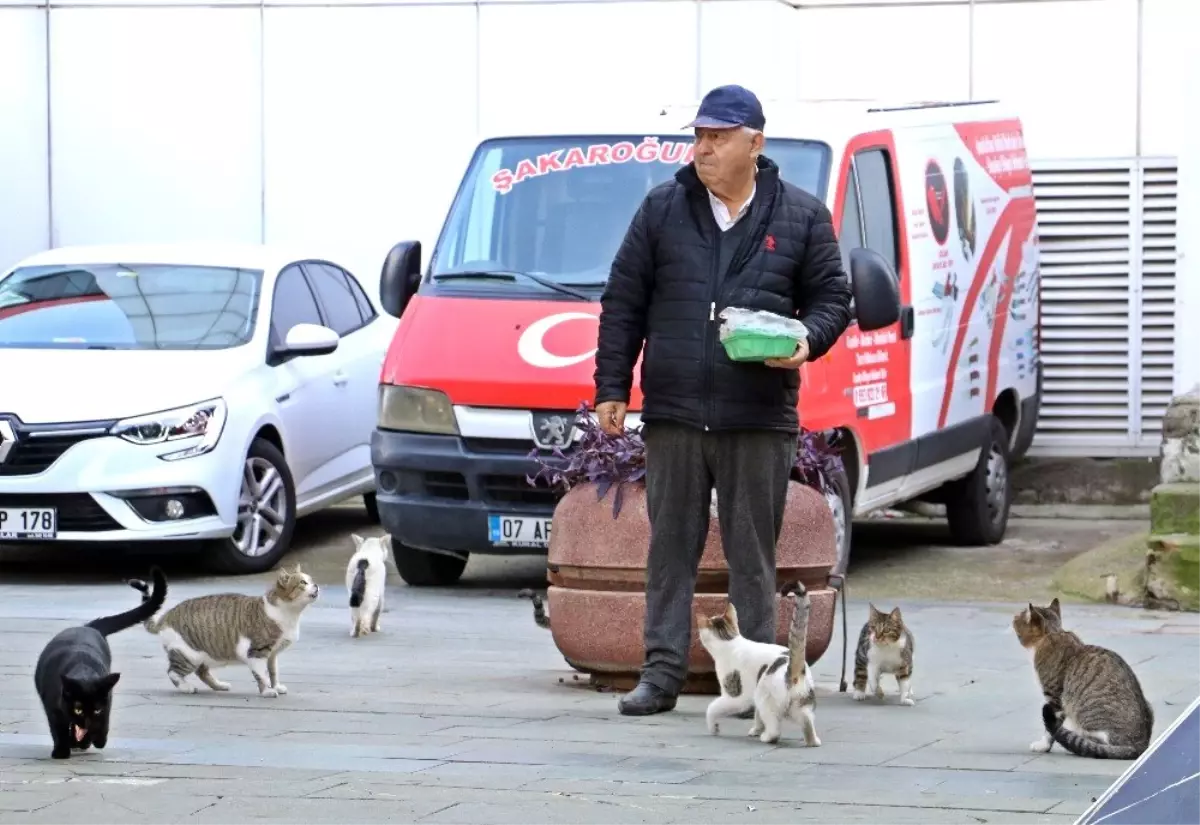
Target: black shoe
x=644 y=700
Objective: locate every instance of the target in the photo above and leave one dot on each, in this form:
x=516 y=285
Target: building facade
x=172 y=120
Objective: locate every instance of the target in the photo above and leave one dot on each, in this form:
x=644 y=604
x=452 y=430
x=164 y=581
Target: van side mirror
x=401 y=276
x=876 y=289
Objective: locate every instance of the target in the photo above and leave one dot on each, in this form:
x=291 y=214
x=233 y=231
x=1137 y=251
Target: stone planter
x=597 y=574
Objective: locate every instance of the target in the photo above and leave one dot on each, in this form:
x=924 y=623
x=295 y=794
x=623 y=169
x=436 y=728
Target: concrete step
x=1188 y=547
x=1175 y=509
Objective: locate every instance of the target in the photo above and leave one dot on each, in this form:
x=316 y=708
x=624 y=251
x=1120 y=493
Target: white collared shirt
x=720 y=211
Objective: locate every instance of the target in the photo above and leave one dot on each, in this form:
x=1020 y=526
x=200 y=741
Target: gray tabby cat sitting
x=213 y=631
x=1094 y=703
x=885 y=645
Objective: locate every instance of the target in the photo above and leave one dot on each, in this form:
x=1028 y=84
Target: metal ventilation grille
x=1159 y=181
x=1084 y=224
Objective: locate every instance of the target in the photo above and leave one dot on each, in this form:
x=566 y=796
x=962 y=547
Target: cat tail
x=540 y=618
x=150 y=623
x=359 y=586
x=144 y=612
x=797 y=640
x=1082 y=745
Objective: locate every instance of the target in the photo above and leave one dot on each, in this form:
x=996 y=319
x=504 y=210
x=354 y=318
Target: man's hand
x=792 y=363
x=612 y=416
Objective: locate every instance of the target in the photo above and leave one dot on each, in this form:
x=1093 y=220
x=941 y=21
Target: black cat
x=73 y=678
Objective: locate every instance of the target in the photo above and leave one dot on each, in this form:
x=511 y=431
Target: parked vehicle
x=933 y=204
x=183 y=394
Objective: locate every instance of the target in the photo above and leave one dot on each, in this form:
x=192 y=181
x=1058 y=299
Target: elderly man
x=727 y=231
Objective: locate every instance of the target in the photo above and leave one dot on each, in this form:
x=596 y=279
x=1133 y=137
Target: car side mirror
x=400 y=278
x=309 y=339
x=876 y=289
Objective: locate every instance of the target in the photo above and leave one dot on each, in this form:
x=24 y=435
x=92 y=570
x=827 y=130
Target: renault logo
x=8 y=439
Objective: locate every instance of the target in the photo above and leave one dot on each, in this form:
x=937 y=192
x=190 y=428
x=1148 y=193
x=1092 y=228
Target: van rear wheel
x=977 y=506
x=421 y=569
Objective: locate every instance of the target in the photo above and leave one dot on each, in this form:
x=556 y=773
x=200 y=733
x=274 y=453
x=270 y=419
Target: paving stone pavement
x=462 y=711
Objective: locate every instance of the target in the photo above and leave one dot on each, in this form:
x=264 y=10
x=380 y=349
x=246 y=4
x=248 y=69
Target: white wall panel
x=752 y=43
x=579 y=59
x=156 y=125
x=369 y=120
x=1076 y=94
x=893 y=54
x=24 y=185
x=1166 y=49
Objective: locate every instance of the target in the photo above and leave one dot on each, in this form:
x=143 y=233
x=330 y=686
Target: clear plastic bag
x=738 y=321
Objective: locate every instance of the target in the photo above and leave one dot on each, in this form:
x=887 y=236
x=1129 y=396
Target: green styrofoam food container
x=754 y=346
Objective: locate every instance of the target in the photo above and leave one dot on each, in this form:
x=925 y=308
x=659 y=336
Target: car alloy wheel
x=262 y=508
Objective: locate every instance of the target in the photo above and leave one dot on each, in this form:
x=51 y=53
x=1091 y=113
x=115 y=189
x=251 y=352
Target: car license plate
x=28 y=523
x=519 y=531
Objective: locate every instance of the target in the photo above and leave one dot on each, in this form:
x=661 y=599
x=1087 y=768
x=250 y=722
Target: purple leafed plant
x=612 y=461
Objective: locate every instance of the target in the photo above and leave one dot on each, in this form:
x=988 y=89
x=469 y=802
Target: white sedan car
x=184 y=393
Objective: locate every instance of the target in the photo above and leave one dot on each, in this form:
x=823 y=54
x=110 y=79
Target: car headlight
x=416 y=410
x=198 y=426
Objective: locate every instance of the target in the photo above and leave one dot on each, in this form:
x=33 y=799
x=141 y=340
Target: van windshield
x=557 y=208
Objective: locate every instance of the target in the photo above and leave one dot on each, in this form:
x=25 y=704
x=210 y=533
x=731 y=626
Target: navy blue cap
x=728 y=106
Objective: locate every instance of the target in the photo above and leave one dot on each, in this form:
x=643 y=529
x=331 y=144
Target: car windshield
x=130 y=306
x=559 y=207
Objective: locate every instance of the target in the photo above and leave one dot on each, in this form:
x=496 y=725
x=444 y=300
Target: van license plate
x=28 y=523
x=519 y=531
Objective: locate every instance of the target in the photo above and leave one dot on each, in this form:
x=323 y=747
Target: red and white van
x=494 y=349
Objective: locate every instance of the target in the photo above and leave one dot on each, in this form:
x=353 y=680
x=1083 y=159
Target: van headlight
x=199 y=425
x=416 y=410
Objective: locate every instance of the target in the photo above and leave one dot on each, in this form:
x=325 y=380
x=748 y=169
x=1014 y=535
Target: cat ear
x=385 y=541
x=357 y=539
x=895 y=614
x=1055 y=608
x=108 y=682
x=731 y=613
x=875 y=614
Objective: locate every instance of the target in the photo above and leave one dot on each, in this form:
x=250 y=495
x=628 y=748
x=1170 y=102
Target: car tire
x=235 y=556
x=841 y=505
x=372 y=505
x=977 y=506
x=419 y=568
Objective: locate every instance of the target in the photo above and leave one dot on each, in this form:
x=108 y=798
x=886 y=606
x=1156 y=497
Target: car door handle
x=340 y=379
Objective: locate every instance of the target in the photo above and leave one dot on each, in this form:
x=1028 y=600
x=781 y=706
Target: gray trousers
x=750 y=471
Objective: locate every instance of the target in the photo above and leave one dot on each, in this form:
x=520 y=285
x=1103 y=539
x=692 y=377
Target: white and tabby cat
x=212 y=631
x=783 y=685
x=366 y=575
x=885 y=645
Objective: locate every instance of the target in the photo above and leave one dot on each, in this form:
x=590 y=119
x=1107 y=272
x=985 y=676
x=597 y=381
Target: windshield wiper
x=513 y=275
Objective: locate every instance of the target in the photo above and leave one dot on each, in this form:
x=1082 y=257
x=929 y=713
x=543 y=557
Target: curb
x=1072 y=512
x=1083 y=512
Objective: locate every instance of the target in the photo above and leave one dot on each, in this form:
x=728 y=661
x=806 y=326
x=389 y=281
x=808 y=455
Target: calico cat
x=786 y=690
x=366 y=575
x=1094 y=703
x=205 y=632
x=741 y=663
x=540 y=617
x=885 y=645
x=74 y=678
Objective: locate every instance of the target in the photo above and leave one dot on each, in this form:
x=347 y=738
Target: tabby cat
x=540 y=617
x=1094 y=703
x=205 y=632
x=74 y=679
x=885 y=645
